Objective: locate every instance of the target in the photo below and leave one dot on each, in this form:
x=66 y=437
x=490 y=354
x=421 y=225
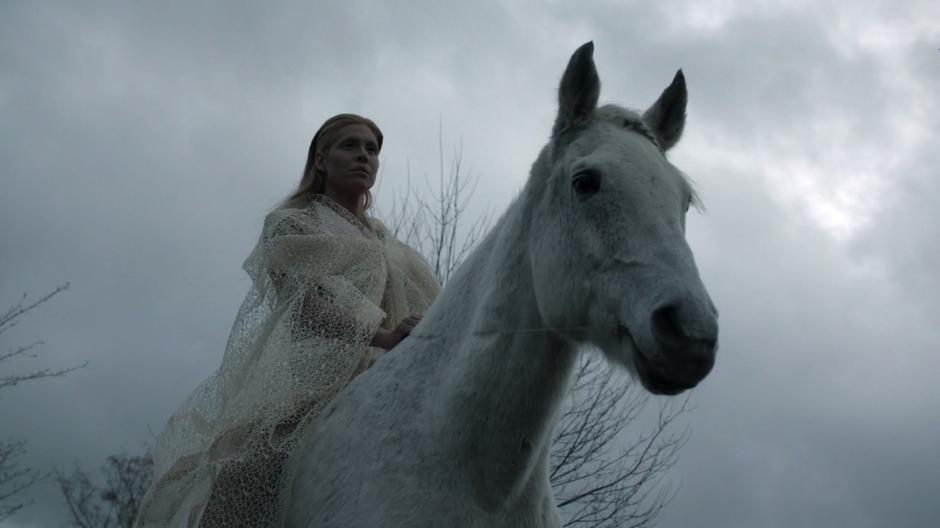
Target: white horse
x=453 y=427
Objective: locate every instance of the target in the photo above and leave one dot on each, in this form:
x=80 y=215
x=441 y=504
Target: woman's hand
x=389 y=339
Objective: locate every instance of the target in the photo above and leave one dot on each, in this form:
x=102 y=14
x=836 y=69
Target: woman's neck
x=352 y=202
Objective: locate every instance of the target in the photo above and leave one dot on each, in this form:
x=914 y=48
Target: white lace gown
x=322 y=285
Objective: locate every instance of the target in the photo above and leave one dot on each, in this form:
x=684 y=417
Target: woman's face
x=351 y=162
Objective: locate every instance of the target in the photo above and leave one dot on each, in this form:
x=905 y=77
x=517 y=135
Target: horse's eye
x=586 y=183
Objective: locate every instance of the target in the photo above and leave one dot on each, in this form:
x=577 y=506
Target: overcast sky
x=142 y=143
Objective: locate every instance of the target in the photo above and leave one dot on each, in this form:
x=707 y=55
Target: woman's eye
x=586 y=183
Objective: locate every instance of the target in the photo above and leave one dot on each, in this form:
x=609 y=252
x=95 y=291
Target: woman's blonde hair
x=313 y=180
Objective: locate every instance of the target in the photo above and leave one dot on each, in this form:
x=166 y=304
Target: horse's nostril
x=710 y=342
x=666 y=322
x=677 y=328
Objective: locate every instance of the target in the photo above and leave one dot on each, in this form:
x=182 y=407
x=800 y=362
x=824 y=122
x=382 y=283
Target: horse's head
x=607 y=238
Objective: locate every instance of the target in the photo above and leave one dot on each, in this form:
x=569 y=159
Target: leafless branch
x=83 y=501
x=113 y=505
x=8 y=319
x=9 y=381
x=599 y=480
x=435 y=223
x=15 y=480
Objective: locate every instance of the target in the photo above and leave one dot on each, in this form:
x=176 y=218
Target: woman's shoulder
x=379 y=228
x=404 y=249
x=291 y=221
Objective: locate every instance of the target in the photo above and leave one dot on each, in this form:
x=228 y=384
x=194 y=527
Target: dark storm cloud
x=820 y=381
x=819 y=410
x=904 y=235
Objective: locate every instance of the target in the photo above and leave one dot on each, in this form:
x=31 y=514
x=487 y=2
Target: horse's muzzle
x=670 y=376
x=686 y=342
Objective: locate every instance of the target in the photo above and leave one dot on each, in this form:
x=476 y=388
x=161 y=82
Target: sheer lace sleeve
x=332 y=281
x=302 y=332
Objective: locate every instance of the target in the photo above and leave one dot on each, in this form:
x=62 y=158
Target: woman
x=332 y=291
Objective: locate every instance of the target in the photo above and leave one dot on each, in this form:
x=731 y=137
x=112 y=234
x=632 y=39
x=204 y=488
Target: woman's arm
x=387 y=340
x=318 y=316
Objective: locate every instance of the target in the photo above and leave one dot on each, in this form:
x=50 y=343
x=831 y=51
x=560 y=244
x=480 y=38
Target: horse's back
x=373 y=458
x=346 y=460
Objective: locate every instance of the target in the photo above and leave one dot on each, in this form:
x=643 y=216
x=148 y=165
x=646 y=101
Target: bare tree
x=10 y=319
x=437 y=225
x=600 y=478
x=14 y=478
x=113 y=505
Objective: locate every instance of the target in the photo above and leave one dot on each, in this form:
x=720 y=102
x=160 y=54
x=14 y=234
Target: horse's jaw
x=621 y=348
x=618 y=346
x=656 y=379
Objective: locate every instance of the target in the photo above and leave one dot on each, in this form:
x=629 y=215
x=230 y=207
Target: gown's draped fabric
x=322 y=284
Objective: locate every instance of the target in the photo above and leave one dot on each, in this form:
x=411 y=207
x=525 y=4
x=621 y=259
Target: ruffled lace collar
x=346 y=215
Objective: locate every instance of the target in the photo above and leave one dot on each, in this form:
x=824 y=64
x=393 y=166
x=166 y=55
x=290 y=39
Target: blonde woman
x=332 y=290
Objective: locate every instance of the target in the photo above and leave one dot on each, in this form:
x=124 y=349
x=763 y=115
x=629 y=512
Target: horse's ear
x=579 y=89
x=667 y=115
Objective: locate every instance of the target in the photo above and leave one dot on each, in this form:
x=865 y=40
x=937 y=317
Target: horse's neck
x=505 y=382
